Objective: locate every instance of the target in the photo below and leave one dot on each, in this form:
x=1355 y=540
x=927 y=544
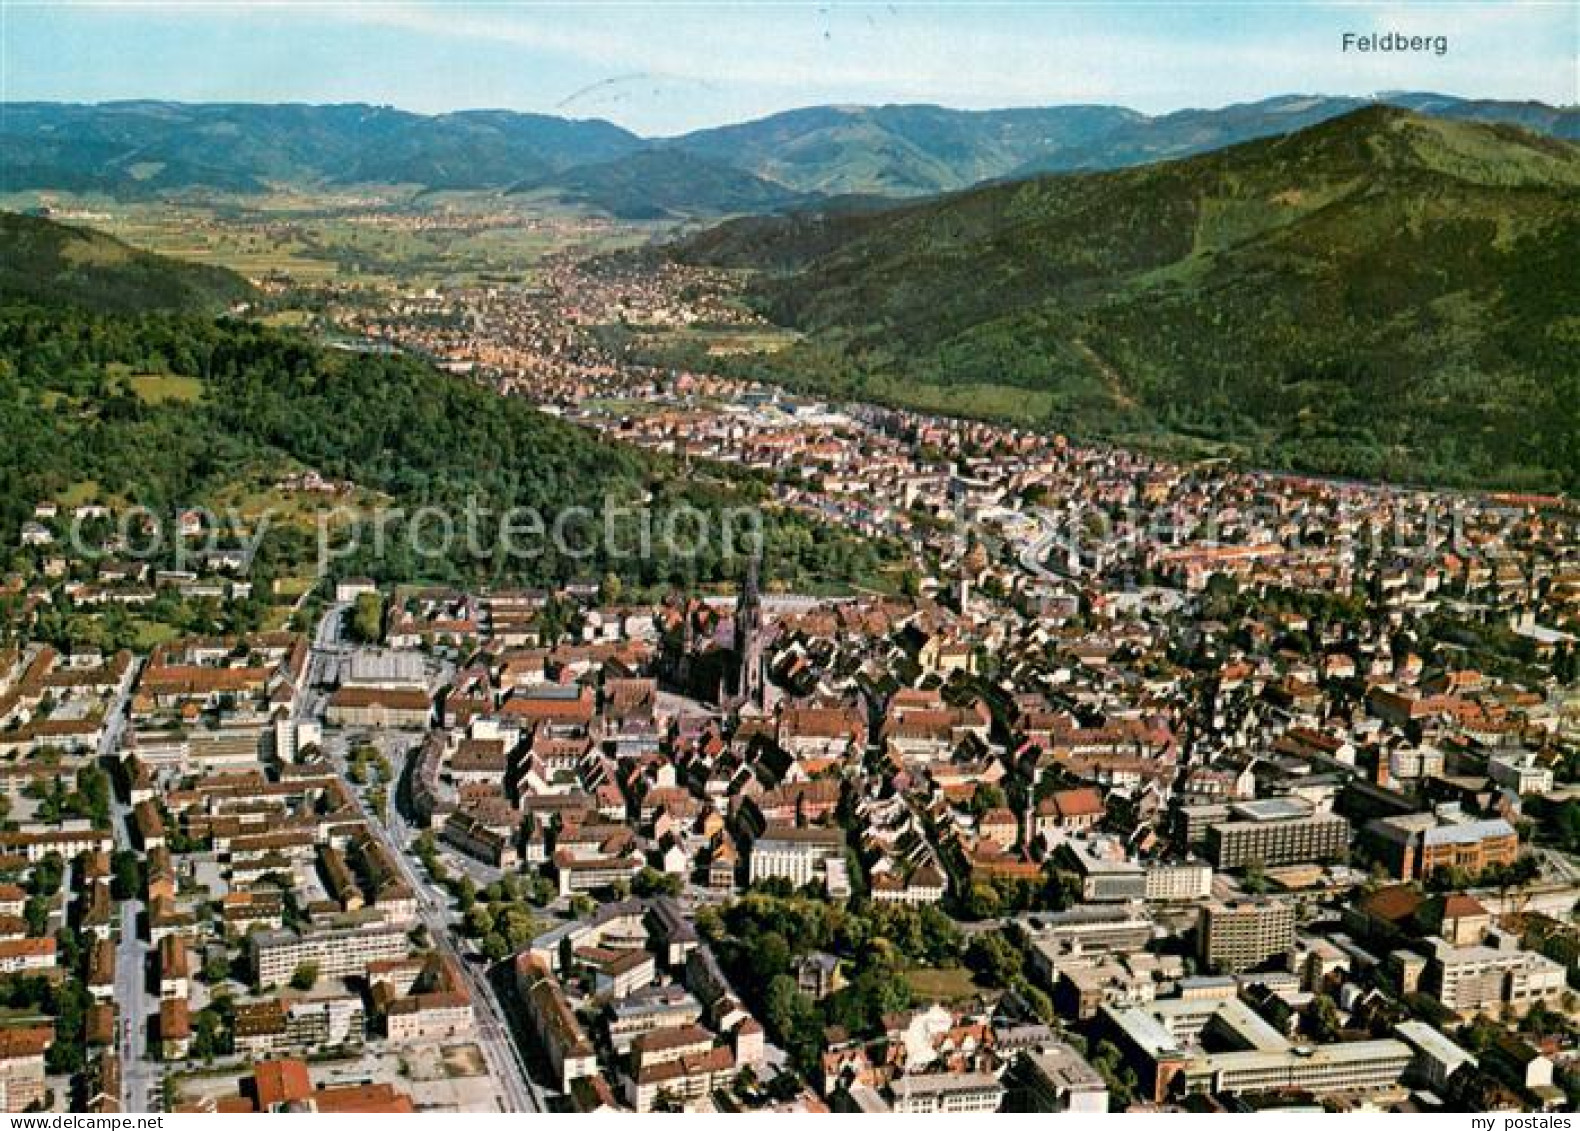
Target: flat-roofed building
x=390 y=669
x=1436 y=1057
x=276 y=955
x=595 y=873
x=795 y=854
x=1277 y=831
x=1244 y=933
x=648 y=1010
x=1178 y=883
x=1090 y=929
x=950 y=1093
x=277 y=1026
x=1476 y=979
x=1060 y=1079
x=1161 y=1042
x=1103 y=879
x=1362 y=1068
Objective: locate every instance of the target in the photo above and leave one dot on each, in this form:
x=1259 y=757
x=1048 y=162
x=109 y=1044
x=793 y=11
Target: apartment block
x=276 y=955
x=1277 y=831
x=1244 y=933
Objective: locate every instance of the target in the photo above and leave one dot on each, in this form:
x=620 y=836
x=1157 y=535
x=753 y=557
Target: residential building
x=1244 y=933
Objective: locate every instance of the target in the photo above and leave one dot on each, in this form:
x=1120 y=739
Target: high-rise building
x=1244 y=933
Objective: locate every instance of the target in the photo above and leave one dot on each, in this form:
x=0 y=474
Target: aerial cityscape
x=805 y=590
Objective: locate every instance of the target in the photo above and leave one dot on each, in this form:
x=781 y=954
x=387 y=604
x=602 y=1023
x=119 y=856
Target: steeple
x=749 y=639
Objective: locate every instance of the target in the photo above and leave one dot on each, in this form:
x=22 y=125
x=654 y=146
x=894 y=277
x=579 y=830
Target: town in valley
x=874 y=609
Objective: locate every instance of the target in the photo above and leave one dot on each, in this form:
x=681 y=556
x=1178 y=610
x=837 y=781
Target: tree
x=1121 y=1079
x=126 y=869
x=941 y=938
x=367 y=618
x=305 y=976
x=519 y=925
x=1254 y=878
x=982 y=902
x=986 y=796
x=92 y=797
x=770 y=956
x=47 y=875
x=650 y=882
x=793 y=1017
x=479 y=921
x=609 y=589
x=995 y=958
x=1322 y=1019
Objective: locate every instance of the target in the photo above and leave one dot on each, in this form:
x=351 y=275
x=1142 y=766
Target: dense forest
x=270 y=401
x=57 y=263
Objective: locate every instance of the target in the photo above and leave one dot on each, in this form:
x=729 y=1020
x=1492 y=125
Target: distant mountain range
x=153 y=149
x=1384 y=294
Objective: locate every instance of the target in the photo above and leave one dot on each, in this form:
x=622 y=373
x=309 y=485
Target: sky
x=663 y=68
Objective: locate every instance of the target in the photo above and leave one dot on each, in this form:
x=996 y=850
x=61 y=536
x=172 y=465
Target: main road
x=141 y=1078
x=494 y=1034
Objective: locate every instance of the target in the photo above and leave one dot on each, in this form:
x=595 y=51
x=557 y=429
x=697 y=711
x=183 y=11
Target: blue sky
x=667 y=67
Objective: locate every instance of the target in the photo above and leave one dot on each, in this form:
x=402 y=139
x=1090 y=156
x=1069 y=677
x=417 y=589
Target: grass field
x=1010 y=402
x=159 y=388
x=151 y=634
x=943 y=984
x=87 y=491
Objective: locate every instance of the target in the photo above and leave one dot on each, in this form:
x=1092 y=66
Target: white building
x=798 y=855
x=953 y=1093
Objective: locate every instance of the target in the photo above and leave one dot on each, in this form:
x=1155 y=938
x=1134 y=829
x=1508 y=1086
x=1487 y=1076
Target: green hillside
x=45 y=261
x=1383 y=294
x=138 y=149
x=902 y=150
x=157 y=404
x=656 y=184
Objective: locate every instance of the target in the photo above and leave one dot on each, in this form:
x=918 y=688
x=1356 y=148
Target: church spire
x=749 y=639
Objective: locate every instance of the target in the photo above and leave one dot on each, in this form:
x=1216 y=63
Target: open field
x=391 y=237
x=944 y=984
x=158 y=388
x=724 y=341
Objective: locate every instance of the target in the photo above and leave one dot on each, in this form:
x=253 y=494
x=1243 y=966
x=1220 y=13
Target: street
x=141 y=1078
x=493 y=1031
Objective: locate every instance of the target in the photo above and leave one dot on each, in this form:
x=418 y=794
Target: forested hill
x=1383 y=294
x=54 y=263
x=152 y=149
x=168 y=410
x=654 y=184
